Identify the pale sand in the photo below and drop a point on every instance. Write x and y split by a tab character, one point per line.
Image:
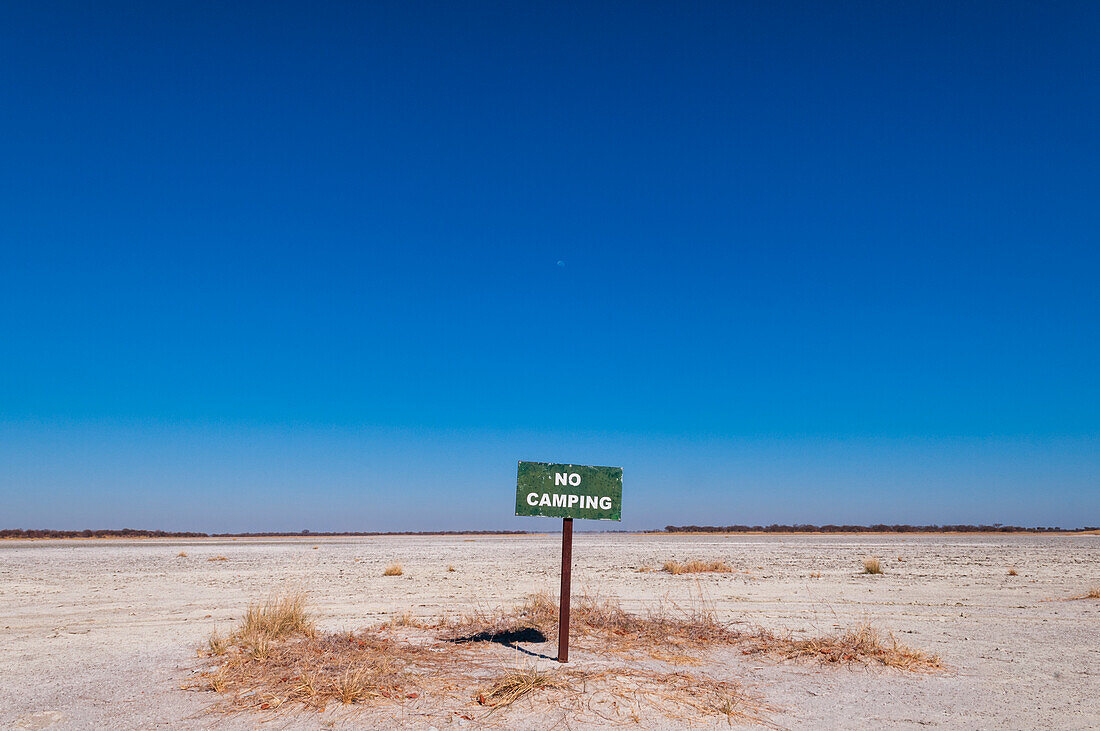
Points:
100	634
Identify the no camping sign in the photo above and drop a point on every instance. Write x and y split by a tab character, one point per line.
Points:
568	491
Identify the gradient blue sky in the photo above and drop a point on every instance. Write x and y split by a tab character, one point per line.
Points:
270	266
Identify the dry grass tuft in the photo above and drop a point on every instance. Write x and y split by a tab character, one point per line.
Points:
181	554
450	568
1012	572
353	686
218	558
218	644
513	685
404	619
695	566
394	569
872	566
276	618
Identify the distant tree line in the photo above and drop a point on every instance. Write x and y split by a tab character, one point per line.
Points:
877	528
119	533
330	534
134	533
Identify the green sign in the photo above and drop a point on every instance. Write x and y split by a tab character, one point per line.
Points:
569	491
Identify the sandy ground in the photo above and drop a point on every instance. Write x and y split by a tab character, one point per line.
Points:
101	634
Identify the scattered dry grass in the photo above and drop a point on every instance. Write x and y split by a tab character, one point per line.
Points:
1093	593
181	554
218	558
872	566
863	645
815	575
394	569
1012	572
276	657
668	632
450	568
695	566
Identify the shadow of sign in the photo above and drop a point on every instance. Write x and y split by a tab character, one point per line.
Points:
511	638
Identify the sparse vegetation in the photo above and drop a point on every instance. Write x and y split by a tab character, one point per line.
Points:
450	568
218	644
275	657
394	569
181	554
1012	572
862	644
1093	593
218	558
696	566
404	619
872	566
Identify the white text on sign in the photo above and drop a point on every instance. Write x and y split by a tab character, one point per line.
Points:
557	500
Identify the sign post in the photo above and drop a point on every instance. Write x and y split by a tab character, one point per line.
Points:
568	491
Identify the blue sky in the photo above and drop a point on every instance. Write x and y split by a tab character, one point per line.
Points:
783	262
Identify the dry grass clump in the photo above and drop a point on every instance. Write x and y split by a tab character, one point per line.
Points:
1012	572
450	568
862	644
695	566
218	558
394	569
276	618
181	554
512	686
872	566
312	671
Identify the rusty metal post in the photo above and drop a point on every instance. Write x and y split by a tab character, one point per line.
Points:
566	571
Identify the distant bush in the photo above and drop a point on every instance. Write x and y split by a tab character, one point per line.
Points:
872	566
